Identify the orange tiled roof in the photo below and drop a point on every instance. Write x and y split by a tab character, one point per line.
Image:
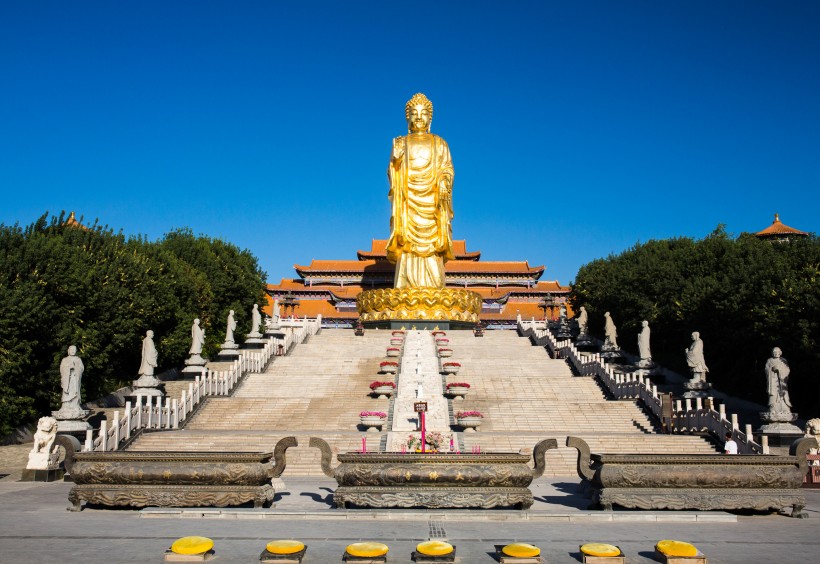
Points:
353	290
72	222
778	228
460	266
378	249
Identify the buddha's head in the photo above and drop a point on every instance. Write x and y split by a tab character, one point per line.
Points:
72	351
776	352
419	113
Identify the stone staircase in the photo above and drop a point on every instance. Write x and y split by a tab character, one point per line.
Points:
525	396
317	390
320	388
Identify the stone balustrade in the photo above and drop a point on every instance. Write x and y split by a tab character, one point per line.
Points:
687	417
152	413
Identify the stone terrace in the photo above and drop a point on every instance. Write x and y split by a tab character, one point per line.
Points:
322	386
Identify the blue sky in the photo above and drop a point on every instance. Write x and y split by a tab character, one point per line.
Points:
577	128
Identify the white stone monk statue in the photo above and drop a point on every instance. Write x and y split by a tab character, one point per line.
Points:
777	383
149	355
644	351
696	361
610	333
256	322
421	180
197	338
71	374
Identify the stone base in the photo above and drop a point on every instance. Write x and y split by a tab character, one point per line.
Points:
152	392
254	343
72	426
68	414
432	497
146	382
294	558
171	556
196	360
193	370
53	475
227	355
781	434
699	558
694	394
419	557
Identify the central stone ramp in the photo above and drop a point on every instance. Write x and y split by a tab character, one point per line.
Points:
318	390
526	396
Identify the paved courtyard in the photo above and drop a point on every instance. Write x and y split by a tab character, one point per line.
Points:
37	528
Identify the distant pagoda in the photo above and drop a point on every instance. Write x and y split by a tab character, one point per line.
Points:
507	288
778	231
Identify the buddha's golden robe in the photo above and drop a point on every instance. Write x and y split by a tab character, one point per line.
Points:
421	179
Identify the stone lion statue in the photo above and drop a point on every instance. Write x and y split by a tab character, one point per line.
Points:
44	437
813	427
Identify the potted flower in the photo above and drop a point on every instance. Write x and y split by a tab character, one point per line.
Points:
396	341
382	389
388	366
438	333
359	330
373	420
470	420
398	334
393	351
443	352
442	342
458	389
450	367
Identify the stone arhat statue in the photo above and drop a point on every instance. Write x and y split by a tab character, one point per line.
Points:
696	363
256	322
71	374
149	355
610	333
643	345
231	327
777	382
197	338
583	321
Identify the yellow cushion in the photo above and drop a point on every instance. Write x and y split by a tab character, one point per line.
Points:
366	549
676	548
521	550
600	549
434	548
284	546
192	545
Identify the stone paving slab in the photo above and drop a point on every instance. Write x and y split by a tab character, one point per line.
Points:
35	527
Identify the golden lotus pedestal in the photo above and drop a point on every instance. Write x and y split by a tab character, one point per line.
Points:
422	308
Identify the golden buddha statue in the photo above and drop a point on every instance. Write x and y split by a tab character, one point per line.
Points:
421	181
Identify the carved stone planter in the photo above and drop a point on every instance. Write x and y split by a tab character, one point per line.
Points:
396	341
450	369
389	369
458	392
704	482
176	479
373	422
470	424
383	392
393	352
444	353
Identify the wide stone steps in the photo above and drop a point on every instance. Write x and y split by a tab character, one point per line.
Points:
320	388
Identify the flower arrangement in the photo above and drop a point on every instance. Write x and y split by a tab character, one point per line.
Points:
442	340
456	364
398	333
438	333
384	363
380	414
463	414
458	385
393	349
443	349
434	439
377	384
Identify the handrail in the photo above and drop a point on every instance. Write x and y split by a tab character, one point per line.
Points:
687	417
149	412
